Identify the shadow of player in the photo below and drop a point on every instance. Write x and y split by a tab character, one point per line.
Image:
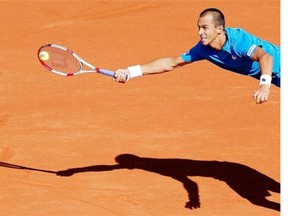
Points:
247	182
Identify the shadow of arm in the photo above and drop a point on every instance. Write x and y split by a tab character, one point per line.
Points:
192	189
96	168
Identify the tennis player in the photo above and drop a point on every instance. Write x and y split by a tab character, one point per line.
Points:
232	49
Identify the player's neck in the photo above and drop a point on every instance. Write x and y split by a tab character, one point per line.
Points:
219	42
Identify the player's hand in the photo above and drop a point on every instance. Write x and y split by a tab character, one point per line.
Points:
261	95
192	204
122	75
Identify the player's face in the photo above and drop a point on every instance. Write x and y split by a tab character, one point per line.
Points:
208	32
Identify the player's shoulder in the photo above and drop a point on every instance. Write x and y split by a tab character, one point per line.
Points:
234	32
237	36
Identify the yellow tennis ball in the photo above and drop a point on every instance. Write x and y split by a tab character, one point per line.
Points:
44	56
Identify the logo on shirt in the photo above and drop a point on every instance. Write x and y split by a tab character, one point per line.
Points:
233	57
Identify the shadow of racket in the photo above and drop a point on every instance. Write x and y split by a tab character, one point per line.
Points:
14	166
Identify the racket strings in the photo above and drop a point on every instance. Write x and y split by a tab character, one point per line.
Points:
61	60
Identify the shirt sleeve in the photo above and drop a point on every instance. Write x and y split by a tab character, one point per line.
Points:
194	54
246	44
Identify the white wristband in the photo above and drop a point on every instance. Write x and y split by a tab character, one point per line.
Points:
265	79
135	71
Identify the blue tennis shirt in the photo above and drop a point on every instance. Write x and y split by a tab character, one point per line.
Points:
236	53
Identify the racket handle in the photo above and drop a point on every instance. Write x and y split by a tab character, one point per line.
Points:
105	72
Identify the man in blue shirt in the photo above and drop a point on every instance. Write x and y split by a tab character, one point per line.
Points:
230	48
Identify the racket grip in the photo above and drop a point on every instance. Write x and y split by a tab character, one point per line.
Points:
106	72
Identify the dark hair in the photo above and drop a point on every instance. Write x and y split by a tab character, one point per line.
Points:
218	16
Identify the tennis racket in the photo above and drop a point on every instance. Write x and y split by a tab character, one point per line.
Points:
62	61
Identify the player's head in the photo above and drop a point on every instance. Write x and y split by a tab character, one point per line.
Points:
217	15
211	24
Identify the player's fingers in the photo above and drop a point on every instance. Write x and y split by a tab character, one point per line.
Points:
123	77
262	99
118	76
255	94
258	100
257	97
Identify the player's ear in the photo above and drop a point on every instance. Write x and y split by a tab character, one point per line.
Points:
220	29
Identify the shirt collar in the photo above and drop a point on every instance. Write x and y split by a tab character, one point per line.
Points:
227	43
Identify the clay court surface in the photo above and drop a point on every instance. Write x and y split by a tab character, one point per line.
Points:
199	114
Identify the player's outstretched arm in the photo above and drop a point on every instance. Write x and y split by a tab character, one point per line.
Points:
160	65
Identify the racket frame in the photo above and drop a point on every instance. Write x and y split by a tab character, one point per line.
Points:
81	61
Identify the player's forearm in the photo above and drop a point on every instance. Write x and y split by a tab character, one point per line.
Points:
266	64
157	66
160	65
